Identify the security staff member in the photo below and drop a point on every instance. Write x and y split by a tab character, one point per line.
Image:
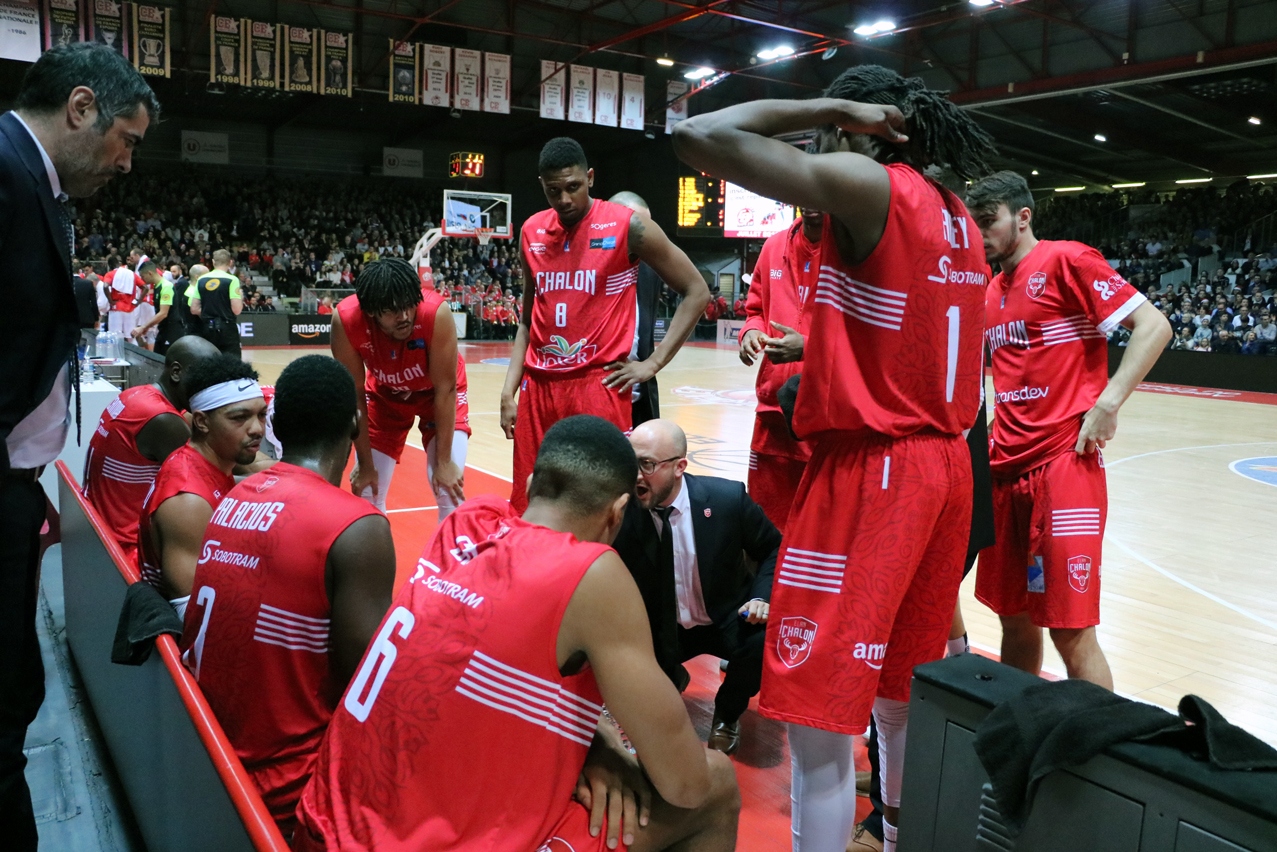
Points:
218	303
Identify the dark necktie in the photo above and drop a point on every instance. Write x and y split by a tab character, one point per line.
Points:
73	364
667	633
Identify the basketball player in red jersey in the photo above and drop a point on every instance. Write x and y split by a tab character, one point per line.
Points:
578	331
126	289
399	343
294	576
869	570
227	423
1049	312
512	651
136	433
776	327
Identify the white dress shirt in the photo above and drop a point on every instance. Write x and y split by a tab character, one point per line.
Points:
687	575
40	436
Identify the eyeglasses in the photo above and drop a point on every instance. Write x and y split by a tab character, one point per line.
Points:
648	466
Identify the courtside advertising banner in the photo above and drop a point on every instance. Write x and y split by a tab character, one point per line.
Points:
265	49
19	30
607	84
468	68
151	41
405	73
300	60
675	103
309	329
436	73
336	63
582	95
402	162
107	25
226	50
201	147
553	83
496	82
632	105
63	23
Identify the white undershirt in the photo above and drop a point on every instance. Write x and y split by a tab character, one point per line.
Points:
687	575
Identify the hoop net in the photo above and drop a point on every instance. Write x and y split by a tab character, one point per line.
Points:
484	235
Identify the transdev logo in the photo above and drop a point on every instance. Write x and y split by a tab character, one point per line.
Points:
1023	394
1261	469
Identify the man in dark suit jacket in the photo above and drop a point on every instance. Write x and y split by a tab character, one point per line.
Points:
685	539
61	140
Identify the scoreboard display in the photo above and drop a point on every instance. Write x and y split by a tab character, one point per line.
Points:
465	164
700	206
709	207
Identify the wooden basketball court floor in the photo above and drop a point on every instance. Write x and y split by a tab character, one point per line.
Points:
1189	600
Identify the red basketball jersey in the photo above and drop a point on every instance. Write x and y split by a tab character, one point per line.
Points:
585	313
124	286
256	631
184	471
116	476
895	343
1047	330
396	369
460	696
456	542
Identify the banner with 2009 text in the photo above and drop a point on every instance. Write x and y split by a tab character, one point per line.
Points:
151	41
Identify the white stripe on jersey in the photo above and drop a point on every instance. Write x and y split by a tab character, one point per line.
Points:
1067	522
1069	329
543	703
291	630
753	460
873	305
133	474
811	569
617	283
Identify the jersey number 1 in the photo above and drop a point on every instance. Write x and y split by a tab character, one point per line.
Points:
951	366
381	656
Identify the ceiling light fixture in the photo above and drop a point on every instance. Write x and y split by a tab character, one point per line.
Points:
775	52
981	3
1127	185
1035	171
1100	137
1195	180
1254	119
1261	177
1069	188
665	61
698	73
876	28
830	53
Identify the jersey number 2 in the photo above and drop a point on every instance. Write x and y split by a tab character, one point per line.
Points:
381	656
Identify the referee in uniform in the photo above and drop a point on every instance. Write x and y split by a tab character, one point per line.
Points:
217	303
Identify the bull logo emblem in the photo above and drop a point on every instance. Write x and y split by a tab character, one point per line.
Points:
1079	572
797	635
1037	285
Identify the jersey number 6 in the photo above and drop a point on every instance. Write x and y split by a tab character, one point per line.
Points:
381	656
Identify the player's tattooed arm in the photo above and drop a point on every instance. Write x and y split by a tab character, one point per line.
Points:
637	231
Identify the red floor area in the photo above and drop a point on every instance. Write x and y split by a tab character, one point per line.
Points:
762	763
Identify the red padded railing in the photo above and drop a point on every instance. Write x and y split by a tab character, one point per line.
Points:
244	796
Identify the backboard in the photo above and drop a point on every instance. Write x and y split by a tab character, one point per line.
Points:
464	210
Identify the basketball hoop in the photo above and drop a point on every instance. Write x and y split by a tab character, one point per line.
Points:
484	235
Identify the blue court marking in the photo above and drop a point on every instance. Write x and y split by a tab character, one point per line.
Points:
496	362
1261	469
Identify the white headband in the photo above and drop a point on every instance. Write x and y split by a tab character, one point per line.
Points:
226	393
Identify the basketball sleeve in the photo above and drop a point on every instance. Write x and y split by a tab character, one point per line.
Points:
755	310
166	294
1103	295
235	291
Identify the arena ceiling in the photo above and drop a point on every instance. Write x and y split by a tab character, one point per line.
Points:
1086	93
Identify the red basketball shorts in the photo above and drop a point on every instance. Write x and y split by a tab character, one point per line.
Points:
1049	526
572	834
867	577
776	465
390	419
545	401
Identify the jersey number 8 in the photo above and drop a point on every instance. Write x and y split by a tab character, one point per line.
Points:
561	314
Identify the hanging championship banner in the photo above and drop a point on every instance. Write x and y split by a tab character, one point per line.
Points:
337	63
63	23
226	50
582	94
436	72
607	85
19	30
107	24
300	58
264	53
553	82
675	111
496	82
151	41
405	73
632	101
467	70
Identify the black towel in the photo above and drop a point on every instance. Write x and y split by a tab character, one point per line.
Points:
787	397
1214	738
145	616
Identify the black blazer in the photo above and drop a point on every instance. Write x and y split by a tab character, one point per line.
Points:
33	246
735	528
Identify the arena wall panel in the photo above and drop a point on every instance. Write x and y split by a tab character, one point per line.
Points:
1255	373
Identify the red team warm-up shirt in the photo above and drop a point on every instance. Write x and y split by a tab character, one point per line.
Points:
116	476
124	290
585	313
895	341
185	471
1047	330
461	676
257	628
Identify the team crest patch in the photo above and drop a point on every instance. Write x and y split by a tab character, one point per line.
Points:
797	635
1037	285
270	482
556	844
1037	579
1079	573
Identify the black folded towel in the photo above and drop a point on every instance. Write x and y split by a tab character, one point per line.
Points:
145	616
787	397
1214	738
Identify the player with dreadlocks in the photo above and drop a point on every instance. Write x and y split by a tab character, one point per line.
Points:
400	344
869	570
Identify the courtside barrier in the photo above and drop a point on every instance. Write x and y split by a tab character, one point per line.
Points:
188	790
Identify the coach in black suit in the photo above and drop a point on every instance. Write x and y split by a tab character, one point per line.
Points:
685	539
79	114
